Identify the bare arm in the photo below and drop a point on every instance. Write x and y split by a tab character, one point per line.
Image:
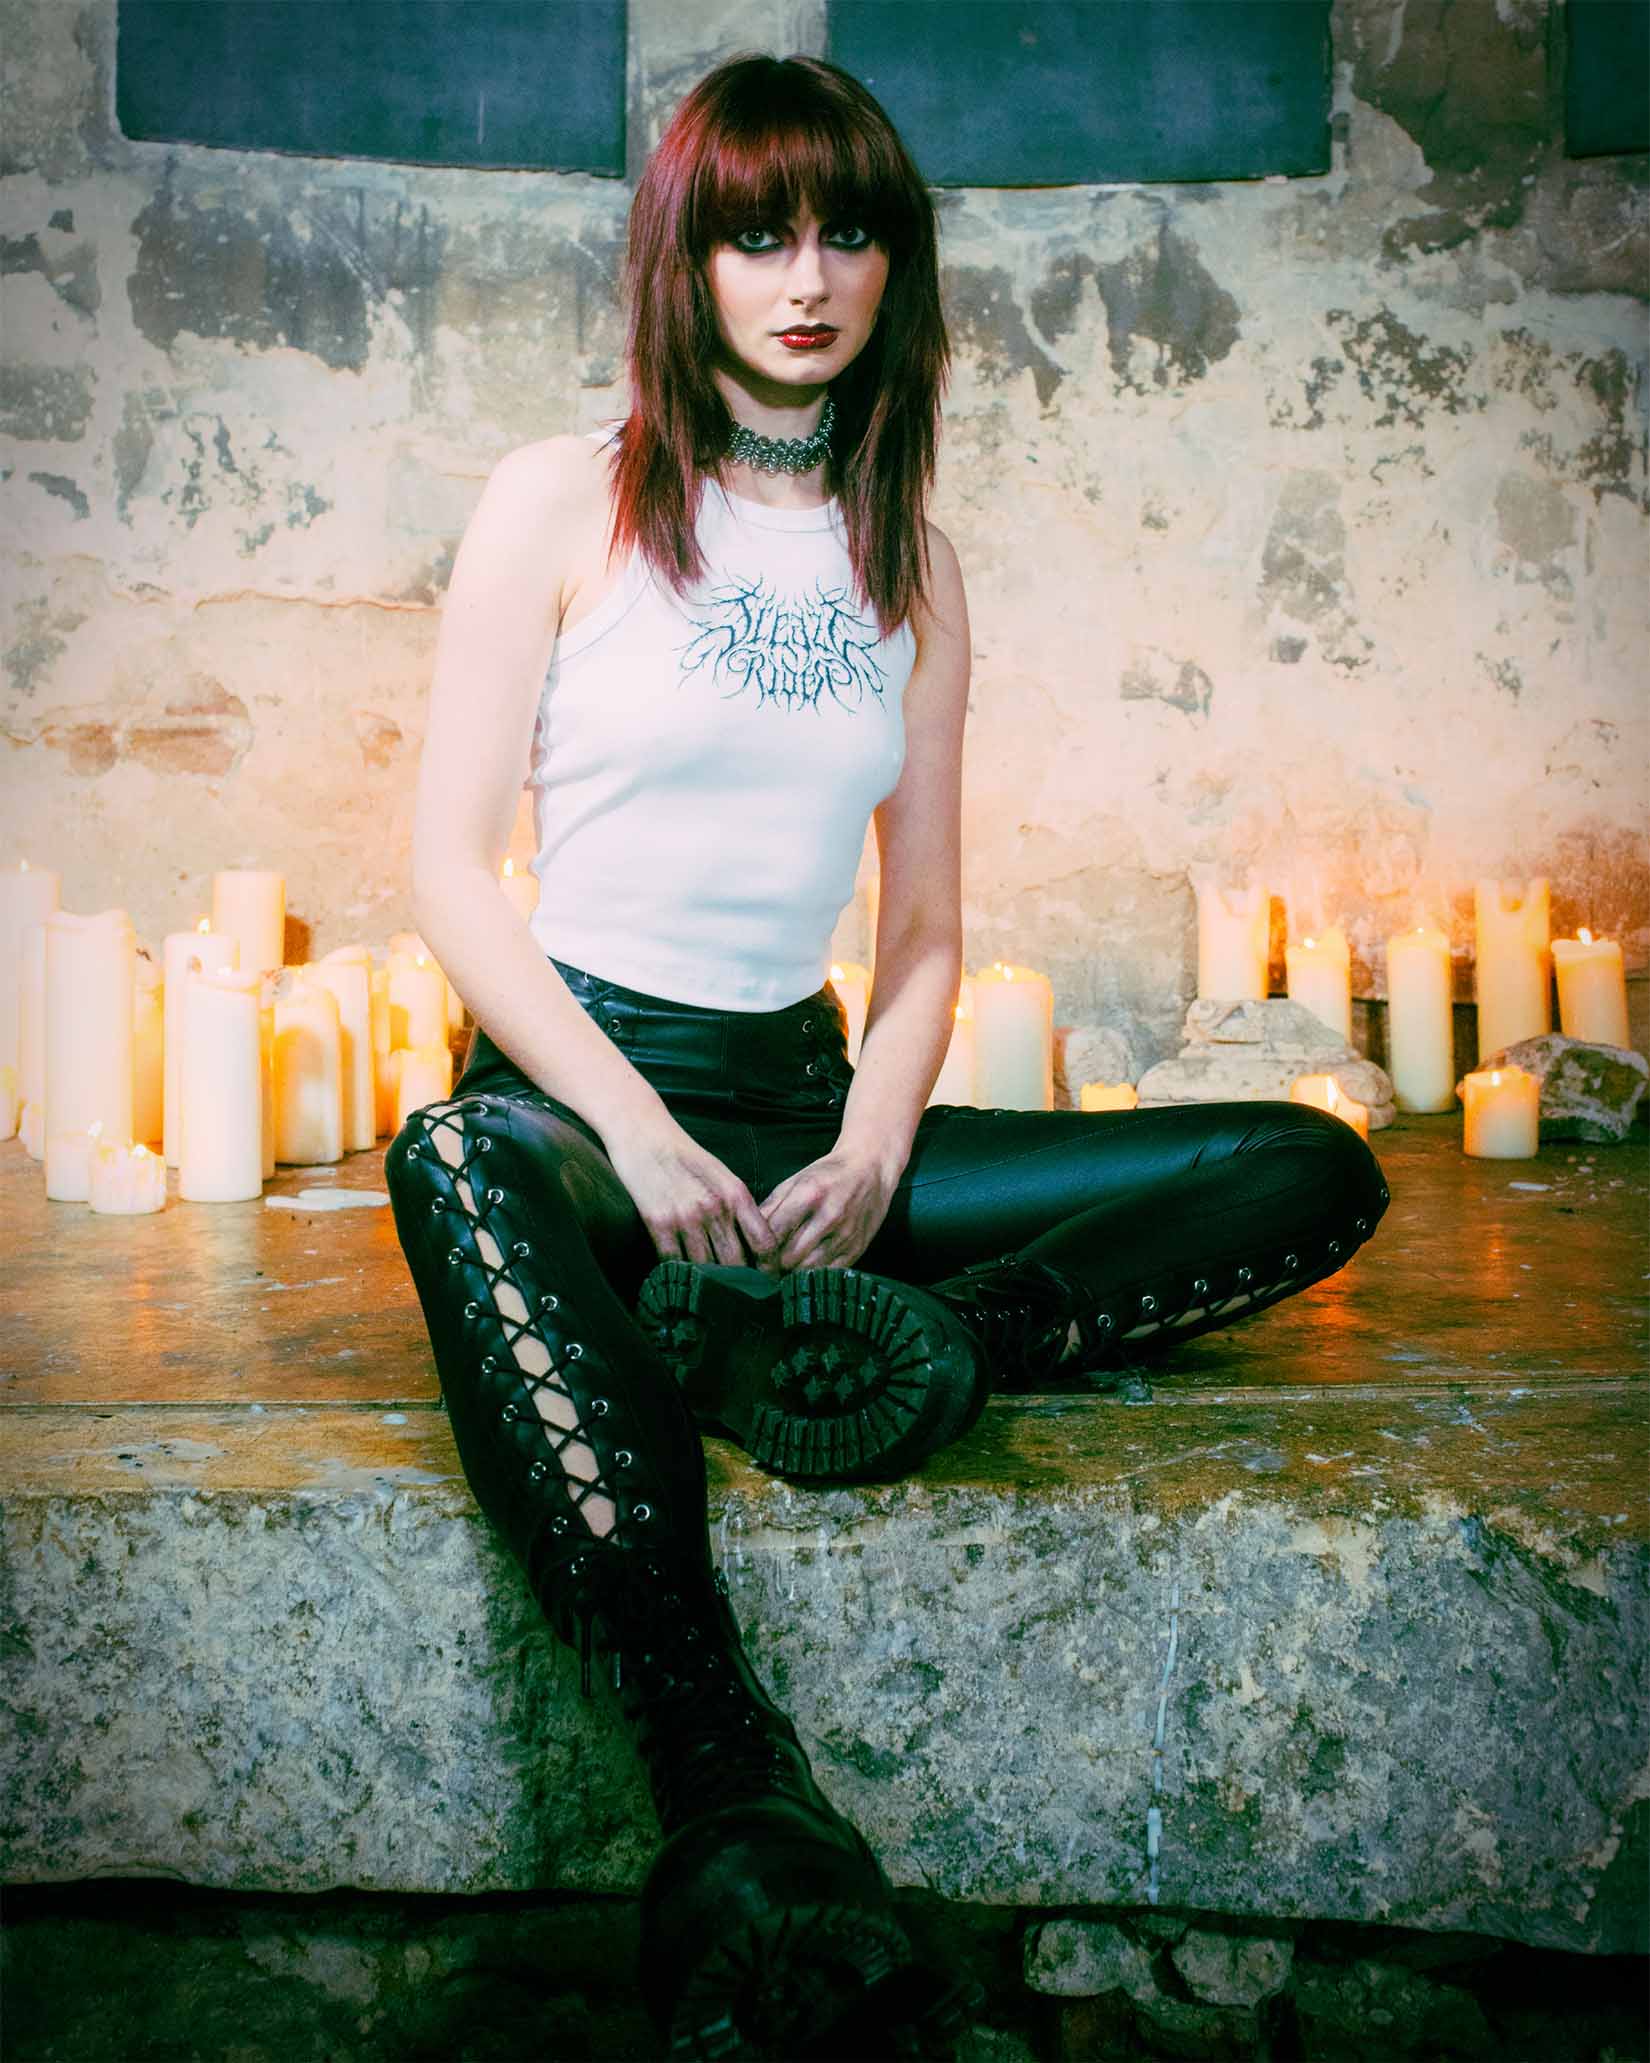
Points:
503	608
828	1213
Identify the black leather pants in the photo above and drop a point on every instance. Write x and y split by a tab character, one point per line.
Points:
1178	1219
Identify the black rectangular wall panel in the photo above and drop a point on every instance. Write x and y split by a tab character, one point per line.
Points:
1045	93
524	83
1607	77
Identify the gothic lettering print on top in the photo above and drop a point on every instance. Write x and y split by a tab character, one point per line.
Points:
793	649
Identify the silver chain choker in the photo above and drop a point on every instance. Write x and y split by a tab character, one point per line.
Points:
785	454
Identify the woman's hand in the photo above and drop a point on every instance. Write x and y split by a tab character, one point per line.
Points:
827	1213
695	1208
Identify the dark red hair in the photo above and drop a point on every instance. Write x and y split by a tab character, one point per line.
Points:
757	140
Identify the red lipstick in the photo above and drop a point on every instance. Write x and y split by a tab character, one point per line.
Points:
812	337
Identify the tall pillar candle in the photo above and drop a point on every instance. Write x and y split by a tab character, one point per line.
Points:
205	952
267	987
31	1063
1420	1024
1013	1039
28	895
383	1088
348	973
422	1074
1233	942
955	1083
408	945
220	1105
88	1046
418	1000
148	1051
309	1089
1592	990
1501	1114
249	906
853	987
1514	964
1320	978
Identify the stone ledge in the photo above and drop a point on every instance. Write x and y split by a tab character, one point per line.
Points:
281	1651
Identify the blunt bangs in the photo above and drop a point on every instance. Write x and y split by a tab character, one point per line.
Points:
769	153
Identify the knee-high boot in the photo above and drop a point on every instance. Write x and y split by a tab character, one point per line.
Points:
768	1928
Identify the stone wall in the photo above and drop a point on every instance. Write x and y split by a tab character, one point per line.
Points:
1303	518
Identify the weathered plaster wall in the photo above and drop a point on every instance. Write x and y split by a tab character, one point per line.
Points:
1304	520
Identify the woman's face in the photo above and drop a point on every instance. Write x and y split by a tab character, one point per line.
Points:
795	300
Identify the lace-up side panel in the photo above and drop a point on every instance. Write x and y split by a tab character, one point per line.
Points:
573	1437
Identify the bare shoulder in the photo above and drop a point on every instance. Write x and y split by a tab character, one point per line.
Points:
944	610
556	476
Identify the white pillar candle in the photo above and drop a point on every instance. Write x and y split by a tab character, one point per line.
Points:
1320	978
853	986
206	952
348	973
383	1086
1233	942
955	1083
1108	1096
249	906
1592	989
148	1051
268	984
409	944
1420	1027
28	895
1514	963
423	1074
220	1104
68	1158
521	891
1501	1114
309	1088
1323	1092
31	1064
127	1181
89	983
10	1104
1013	1039
418	1001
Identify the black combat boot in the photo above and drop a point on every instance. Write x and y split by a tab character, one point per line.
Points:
768	1927
828	1375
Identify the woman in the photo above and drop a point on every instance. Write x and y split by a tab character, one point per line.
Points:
718	641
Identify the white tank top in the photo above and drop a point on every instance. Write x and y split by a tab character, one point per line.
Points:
703	769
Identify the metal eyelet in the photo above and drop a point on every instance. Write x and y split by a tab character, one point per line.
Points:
455	1254
476	1109
1363	1224
509	1414
1386	1196
811	1068
1291	1261
437	1205
623	1457
472	1309
1148	1303
489	1364
414	1150
558	1524
575	1352
1334	1246
1104	1322
1200	1288
549	1301
538	1472
495	1196
521	1249
807	1024
1246	1275
484	1144
641	1513
599	1407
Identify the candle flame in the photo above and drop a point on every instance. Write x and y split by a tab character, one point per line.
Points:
1008	972
957	1011
418	959
509	869
1585	936
93	1130
140	1153
836	972
205	924
23	866
1495	1076
1333	1097
1311	941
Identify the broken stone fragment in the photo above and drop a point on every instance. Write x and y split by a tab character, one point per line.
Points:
1233	1969
1246	1052
1074	1959
1587	1091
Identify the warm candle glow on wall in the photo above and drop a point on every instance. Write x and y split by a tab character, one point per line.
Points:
853	987
1592	989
